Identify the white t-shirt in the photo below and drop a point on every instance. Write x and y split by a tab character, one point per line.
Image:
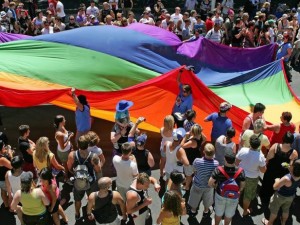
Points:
164	24
61	27
98	151
175	17
60	6
147	21
251	160
92	11
126	170
47	31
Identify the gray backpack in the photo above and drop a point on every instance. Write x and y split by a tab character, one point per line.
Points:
82	178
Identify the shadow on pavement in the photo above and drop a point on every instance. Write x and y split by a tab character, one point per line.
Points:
8	217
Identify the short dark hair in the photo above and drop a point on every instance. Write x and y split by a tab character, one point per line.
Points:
58	18
287	116
254	142
210	14
259	107
46	174
190	114
296	168
126	148
17	162
177	177
187	87
23	129
230	132
288	138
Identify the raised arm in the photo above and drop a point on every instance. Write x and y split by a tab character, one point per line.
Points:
179	77
76	100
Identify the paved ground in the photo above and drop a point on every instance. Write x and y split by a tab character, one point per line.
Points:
40	119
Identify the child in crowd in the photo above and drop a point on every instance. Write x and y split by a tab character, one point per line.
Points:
51	191
190	116
93	142
173	208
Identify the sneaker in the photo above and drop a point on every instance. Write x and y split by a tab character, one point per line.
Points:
206	214
77	217
192	214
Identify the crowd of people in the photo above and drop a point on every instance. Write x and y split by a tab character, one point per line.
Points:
193	168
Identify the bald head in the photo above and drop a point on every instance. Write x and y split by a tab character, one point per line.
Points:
104	183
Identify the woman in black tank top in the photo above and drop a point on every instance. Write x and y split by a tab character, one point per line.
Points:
191	143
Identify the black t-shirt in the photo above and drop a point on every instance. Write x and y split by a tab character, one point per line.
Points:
23	147
71	26
236	41
104	13
220	178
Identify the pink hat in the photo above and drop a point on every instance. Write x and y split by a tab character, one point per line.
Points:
230	12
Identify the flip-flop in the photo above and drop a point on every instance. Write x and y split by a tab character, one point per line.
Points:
264	221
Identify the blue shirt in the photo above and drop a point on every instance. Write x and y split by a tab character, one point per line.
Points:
185	104
220	125
83	119
282	51
204	168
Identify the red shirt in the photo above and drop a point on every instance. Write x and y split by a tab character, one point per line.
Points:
277	137
209	24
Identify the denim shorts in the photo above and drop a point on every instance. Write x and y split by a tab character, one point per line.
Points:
225	206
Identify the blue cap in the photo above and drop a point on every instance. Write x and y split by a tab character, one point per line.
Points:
179	134
141	140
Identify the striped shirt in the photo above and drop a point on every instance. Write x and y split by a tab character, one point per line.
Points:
203	169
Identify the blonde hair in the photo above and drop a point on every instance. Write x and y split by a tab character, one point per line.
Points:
42	148
196	130
209	150
169	122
